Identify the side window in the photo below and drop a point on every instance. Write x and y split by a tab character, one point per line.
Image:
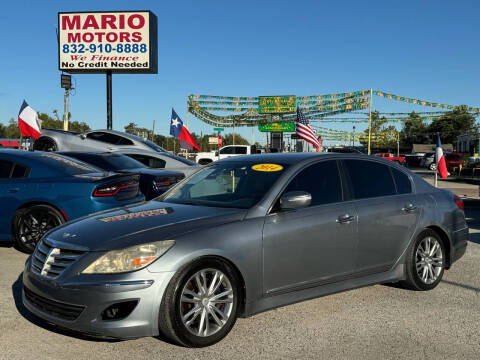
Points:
124	141
19	171
241	150
401	181
228	150
5	168
148	161
369	179
104	137
321	180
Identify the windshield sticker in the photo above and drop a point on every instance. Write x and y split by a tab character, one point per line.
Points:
136	215
267	167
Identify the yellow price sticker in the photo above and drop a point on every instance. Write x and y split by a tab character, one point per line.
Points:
267	167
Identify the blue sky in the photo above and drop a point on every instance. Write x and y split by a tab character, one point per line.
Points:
421	49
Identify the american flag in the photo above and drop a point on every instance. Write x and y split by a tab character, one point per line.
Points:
304	130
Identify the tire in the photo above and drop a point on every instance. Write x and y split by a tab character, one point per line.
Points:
432	166
30	224
174	320
418	276
45	144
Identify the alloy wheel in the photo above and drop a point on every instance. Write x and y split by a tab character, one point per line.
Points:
206	302
33	224
429	260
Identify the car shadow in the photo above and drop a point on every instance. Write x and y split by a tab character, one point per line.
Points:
22	310
464	286
6	244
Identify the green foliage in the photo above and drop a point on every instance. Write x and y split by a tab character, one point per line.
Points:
133	129
452	124
382	136
414	131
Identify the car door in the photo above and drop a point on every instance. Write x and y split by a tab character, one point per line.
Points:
384	222
314	245
12	186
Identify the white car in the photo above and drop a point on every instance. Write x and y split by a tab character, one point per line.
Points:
205	158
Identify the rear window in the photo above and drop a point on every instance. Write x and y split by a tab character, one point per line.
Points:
149	161
66	165
107	161
19	171
369	179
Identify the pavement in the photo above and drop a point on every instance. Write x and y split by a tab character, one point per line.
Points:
377	322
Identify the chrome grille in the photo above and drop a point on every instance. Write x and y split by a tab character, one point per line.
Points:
50	261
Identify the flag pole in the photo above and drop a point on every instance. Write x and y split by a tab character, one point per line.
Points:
21	141
435	182
370	122
186	151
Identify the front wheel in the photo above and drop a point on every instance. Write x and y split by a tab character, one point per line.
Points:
433	166
199	307
30	224
426	262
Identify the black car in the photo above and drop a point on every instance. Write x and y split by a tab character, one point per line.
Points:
152	182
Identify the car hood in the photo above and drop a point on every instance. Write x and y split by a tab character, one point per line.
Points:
139	223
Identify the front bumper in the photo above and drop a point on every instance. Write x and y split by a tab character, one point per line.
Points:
51	299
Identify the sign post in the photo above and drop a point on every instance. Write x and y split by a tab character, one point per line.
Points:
65	83
107	42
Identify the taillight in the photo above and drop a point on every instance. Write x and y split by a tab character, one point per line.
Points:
114	188
166	181
459	202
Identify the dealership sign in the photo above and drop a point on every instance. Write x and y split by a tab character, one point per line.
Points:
277	104
277	127
120	41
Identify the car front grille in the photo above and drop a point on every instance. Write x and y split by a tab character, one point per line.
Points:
55	308
50	261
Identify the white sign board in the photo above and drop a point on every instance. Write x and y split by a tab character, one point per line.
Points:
122	41
213	140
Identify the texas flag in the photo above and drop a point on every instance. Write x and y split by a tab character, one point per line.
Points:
28	122
180	132
440	160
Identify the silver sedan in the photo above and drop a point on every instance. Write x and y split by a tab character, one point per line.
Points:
242	236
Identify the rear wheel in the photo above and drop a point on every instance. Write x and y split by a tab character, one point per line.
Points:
30	224
426	262
199	307
45	144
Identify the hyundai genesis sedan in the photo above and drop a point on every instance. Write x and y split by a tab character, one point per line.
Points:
242	236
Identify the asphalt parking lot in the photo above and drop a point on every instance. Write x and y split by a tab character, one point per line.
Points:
379	322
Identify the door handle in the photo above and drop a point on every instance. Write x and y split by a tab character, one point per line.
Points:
345	219
13	190
409	208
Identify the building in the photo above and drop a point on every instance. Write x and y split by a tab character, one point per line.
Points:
421	149
468	144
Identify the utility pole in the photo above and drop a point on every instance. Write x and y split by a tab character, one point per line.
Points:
153	130
109	99
65	83
370	122
353	141
65	109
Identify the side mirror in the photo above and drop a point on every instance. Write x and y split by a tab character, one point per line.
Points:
83	136
295	200
216	153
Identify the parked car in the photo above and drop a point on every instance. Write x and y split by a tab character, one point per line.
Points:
204	158
241	236
454	160
152	182
345	150
104	140
162	160
413	160
391	157
40	191
428	161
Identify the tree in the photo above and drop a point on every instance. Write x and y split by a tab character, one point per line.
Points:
382	136
133	129
239	140
454	123
414	131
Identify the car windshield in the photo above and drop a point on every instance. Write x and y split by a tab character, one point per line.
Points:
231	184
108	161
154	146
67	165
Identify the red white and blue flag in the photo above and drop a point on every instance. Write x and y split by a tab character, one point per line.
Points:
180	132
304	130
28	121
440	160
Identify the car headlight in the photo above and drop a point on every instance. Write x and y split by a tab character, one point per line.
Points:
129	259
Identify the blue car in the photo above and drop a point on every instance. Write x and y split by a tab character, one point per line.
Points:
153	182
39	191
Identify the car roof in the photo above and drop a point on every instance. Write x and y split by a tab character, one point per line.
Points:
286	158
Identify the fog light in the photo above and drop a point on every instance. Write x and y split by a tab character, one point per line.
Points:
119	311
